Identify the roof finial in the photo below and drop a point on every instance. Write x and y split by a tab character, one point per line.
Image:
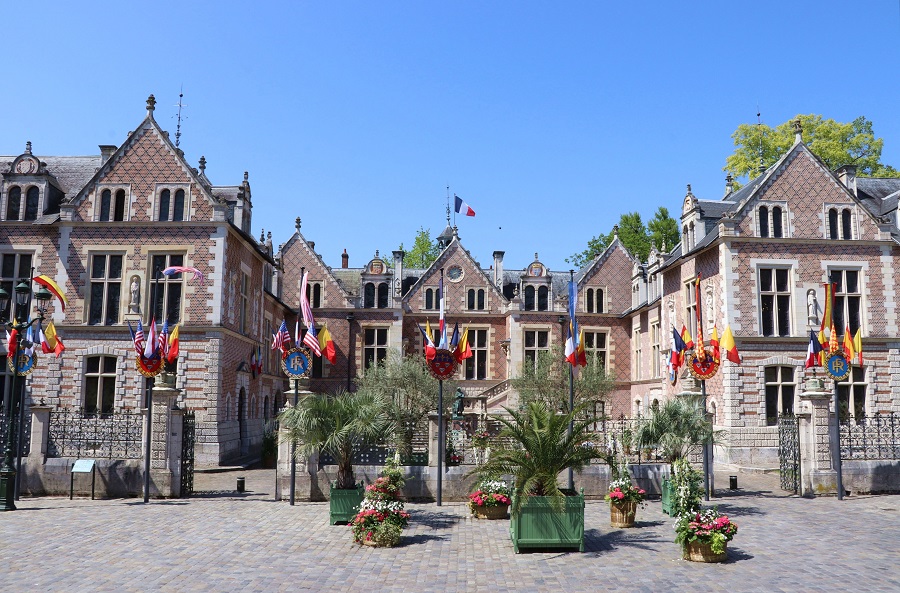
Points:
689	189
729	184
202	164
178	127
376	254
798	130
616	230
297	224
28	147
246	177
536	256
262	235
448	205
151	105
762	167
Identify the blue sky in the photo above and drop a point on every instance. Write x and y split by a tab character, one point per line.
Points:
549	119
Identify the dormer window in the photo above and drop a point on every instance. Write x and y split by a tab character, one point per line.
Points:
32	201
13	203
375	296
541	303
171	205
840	224
771	221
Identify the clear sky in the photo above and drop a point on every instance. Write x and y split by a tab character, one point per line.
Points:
550	119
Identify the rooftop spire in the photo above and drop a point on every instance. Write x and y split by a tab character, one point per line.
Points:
178	127
151	105
798	130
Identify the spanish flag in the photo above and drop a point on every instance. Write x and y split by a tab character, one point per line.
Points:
857	344
714	343
50	342
686	337
48	283
849	353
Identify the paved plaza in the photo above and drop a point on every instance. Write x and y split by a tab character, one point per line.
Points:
222	541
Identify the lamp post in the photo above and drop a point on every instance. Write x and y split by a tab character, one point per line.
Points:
350	318
10	467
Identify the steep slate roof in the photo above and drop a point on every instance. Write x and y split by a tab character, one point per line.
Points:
71	172
878	188
346	283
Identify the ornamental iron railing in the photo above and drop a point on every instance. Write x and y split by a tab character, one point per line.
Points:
25	445
105	436
875	437
789	453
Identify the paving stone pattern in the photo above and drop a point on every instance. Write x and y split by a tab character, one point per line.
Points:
222	541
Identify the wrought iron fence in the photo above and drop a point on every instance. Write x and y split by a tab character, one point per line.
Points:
874	437
25	445
106	436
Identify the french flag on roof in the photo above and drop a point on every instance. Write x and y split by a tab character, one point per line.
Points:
462	207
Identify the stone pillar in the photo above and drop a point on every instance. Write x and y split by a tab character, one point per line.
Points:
432	440
818	473
165	451
40	433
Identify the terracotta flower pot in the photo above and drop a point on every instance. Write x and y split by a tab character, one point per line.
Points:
622	514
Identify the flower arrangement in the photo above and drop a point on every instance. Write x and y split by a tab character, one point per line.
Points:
381	517
706	527
481	440
622	490
688	485
453	456
490	493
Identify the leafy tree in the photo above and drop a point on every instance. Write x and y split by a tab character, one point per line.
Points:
663	230
412	393
836	143
424	250
634	236
547	381
596	246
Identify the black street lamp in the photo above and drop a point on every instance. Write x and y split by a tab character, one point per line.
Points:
10	467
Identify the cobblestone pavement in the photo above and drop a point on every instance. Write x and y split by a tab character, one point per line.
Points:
221	541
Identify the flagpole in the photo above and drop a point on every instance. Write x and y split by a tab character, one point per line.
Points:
836	449
706	447
148	394
571	381
440	457
296	392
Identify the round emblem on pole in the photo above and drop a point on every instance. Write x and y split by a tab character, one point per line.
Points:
149	367
837	366
703	369
443	365
295	363
24	364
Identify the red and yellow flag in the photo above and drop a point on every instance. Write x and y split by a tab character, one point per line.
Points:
714	343
857	344
731	351
849	352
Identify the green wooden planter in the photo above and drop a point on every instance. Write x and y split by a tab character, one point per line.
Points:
343	504
539	525
668	496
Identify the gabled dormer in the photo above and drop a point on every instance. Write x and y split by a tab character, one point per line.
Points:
375	284
30	190
536	287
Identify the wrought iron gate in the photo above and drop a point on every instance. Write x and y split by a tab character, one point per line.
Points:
188	431
789	453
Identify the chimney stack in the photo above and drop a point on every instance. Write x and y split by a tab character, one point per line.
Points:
398	273
345	259
106	151
847	175
498	269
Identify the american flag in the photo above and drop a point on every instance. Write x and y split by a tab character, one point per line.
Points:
172	270
138	338
164	339
282	338
312	340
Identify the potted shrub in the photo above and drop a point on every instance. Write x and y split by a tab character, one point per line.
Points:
490	500
704	535
624	498
673	429
334	424
535	447
381	517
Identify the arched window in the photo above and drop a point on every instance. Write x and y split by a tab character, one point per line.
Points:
475	299
369	296
529	298
846	223
31	203
429	298
105	199
178	210
13	203
383	295
832	224
543	298
776	222
763	221
119	209
316	301
594	300
164	205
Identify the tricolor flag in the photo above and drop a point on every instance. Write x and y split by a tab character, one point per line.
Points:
575	354
463	350
253	372
28	342
150	346
686	337
700	350
454	339
678	346
823	343
429	344
857	344
326	345
50	342
731	351
172	270
11	343
462	207
812	353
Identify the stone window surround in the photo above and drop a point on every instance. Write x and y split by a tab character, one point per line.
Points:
489	339
785	217
172	187
486	299
854	221
113	188
755	264
81	364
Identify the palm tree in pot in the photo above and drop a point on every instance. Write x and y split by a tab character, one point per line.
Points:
535	447
334	424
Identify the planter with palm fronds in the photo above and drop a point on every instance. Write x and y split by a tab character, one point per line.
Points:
334	424
535	447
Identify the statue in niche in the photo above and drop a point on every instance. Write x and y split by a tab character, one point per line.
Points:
710	309
812	307
458	403
135	303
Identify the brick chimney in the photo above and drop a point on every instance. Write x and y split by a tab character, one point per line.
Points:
106	151
498	269
345	259
398	273
847	175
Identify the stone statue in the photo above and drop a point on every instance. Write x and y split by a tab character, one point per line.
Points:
458	403
812	307
135	303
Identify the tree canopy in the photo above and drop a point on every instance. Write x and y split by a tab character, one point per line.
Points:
424	250
836	143
547	381
637	238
